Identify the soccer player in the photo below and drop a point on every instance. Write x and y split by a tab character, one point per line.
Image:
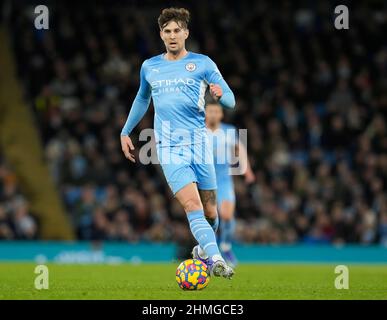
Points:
177	81
224	138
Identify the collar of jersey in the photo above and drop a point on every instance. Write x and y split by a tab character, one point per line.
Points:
185	57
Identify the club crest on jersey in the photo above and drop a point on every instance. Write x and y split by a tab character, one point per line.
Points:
190	66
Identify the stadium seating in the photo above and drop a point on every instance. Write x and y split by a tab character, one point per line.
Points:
313	100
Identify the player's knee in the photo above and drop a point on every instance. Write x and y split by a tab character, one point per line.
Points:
226	216
192	204
226	213
210	211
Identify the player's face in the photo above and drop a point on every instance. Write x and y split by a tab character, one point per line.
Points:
174	36
214	114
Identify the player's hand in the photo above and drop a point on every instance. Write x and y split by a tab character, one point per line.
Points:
127	146
249	176
216	91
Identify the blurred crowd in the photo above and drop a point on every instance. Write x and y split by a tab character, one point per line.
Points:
16	221
313	98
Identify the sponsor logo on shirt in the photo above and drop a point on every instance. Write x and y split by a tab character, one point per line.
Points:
171	85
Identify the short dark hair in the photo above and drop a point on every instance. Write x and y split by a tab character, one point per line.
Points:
180	15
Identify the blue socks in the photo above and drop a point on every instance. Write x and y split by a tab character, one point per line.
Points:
214	223
203	232
227	228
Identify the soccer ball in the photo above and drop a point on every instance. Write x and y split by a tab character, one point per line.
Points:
192	274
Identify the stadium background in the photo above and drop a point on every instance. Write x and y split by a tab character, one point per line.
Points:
313	98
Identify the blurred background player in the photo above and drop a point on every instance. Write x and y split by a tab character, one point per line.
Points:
225	142
177	81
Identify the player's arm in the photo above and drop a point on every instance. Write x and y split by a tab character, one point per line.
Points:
219	88
241	152
139	107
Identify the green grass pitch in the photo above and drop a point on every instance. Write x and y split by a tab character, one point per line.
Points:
157	281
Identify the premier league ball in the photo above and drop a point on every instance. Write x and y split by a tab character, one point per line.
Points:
192	274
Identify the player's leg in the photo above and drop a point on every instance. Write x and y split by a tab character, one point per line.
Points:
189	198
208	198
227	230
226	206
206	183
181	178
206	179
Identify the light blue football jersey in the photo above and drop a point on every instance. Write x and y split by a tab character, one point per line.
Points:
177	89
223	141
